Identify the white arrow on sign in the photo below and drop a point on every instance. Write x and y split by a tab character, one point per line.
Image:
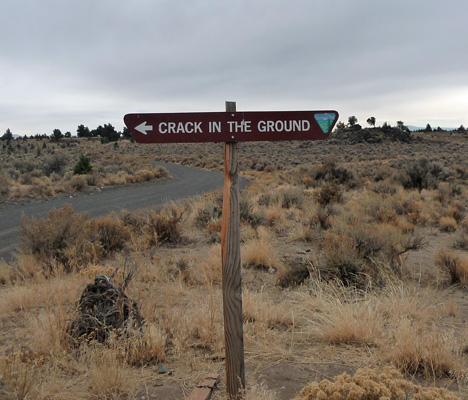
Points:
143	128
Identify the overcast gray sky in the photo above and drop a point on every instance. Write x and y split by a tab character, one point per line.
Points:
70	62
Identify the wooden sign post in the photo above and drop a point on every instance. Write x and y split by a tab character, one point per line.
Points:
231	127
231	260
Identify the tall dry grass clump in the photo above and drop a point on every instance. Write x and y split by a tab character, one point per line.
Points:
18	374
259	253
352	323
424	349
401	324
338	314
108	376
260	308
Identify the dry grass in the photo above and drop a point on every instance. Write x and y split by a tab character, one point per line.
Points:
354	323
259	253
33	295
401	324
344	224
40	168
425	349
18	376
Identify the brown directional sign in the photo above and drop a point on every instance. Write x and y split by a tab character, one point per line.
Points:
231	126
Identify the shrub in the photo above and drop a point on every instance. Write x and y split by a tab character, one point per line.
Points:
356	253
321	217
51	239
247	213
293	197
93	180
286	197
69	239
452	264
421	174
448	224
462	241
340	259
83	166
111	233
332	172
372	384
78	183
4	186
54	164
329	193
295	272
208	213
24	166
144	175
166	226
385	188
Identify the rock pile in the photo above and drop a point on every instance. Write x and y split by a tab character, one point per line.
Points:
355	134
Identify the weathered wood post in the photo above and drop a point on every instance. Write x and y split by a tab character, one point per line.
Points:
231	263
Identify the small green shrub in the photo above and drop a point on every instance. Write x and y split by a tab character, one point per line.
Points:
83	166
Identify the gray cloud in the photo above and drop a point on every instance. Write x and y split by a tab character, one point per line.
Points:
93	61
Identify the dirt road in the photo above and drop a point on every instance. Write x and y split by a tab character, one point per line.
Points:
186	182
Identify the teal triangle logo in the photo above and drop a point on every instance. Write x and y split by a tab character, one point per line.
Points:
325	120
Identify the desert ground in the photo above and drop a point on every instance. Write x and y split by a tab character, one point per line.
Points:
354	272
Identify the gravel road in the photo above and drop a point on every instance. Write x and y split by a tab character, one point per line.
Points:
186	182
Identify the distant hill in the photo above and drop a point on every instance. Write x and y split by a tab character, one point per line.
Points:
420	128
